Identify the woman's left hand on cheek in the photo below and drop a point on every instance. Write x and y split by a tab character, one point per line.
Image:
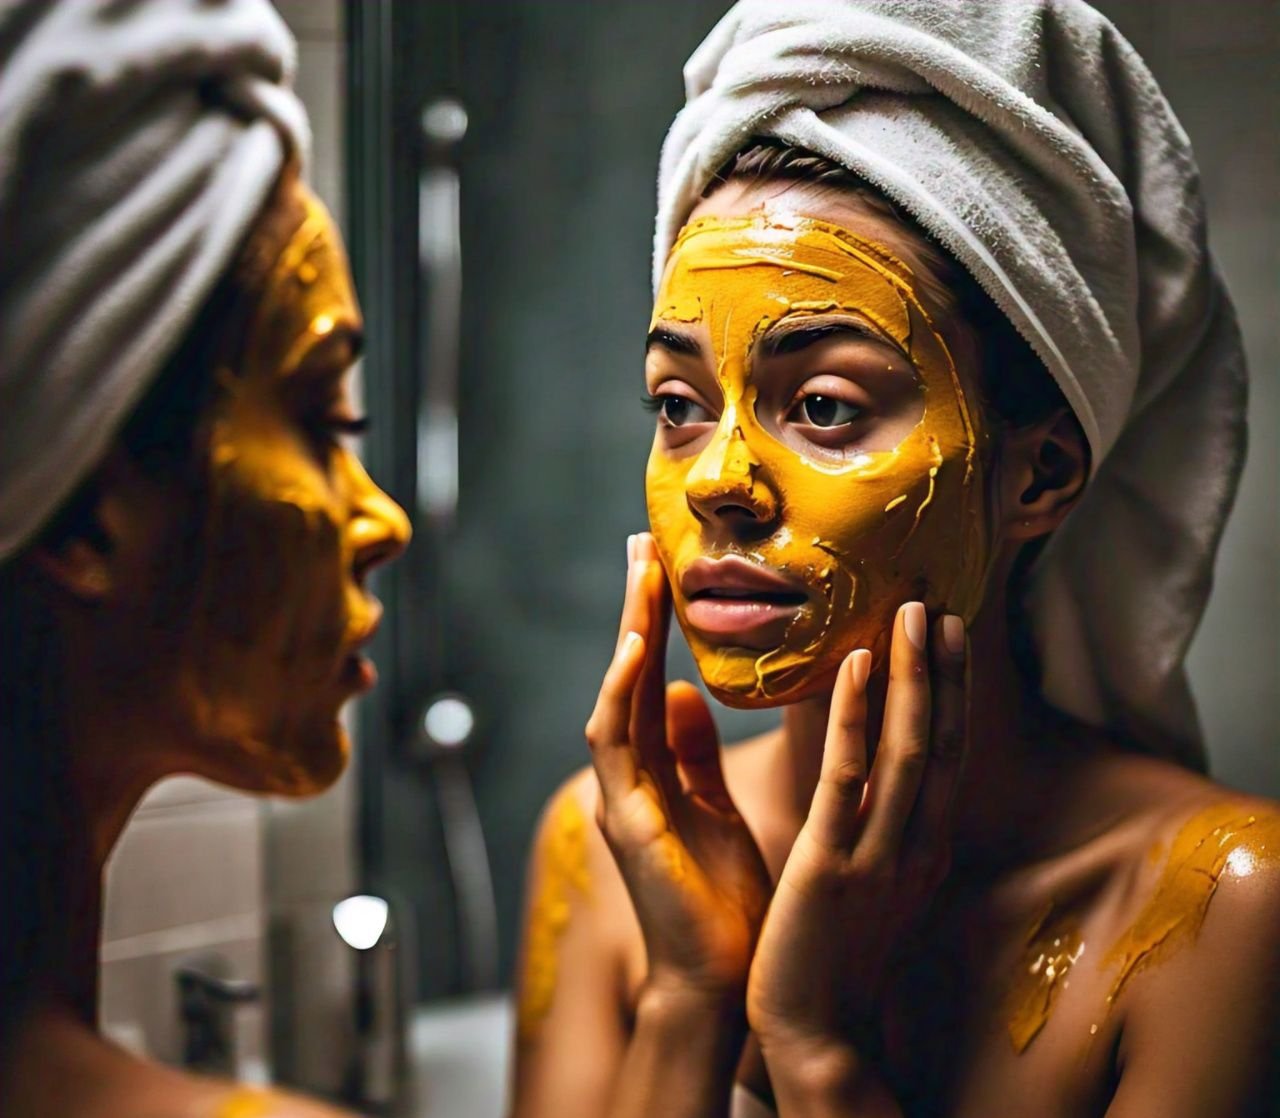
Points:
868	859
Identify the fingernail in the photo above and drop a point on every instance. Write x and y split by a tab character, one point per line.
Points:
953	634
630	641
914	623
631	549
860	667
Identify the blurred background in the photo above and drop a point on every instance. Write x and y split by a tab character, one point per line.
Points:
493	167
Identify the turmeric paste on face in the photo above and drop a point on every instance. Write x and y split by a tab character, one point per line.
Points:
276	607
866	530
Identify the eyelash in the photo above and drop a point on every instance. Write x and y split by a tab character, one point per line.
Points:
328	431
652	404
358	426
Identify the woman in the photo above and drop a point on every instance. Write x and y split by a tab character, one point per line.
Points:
184	537
873	503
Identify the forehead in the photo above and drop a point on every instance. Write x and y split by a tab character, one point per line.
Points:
308	295
845	208
745	273
929	277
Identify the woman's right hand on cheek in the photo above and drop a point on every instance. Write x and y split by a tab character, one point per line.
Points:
689	862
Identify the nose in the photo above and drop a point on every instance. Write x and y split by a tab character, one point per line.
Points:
378	530
727	486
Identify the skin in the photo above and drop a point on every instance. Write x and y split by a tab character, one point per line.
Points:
844	914
233	666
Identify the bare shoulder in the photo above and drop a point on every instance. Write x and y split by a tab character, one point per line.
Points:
1195	971
572	870
1202	865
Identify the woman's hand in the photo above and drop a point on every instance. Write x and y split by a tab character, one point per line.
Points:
690	865
867	860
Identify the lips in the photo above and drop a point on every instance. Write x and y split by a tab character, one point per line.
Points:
358	672
731	601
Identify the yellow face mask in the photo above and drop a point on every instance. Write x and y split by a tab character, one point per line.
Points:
821	464
294	523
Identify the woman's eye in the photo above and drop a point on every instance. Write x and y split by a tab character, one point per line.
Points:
827	411
329	430
678	411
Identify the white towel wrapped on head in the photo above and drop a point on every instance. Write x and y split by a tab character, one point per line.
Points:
138	142
1032	142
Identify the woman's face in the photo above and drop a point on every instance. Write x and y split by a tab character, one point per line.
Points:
278	608
817	461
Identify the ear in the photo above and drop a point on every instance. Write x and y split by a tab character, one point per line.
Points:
79	551
1043	470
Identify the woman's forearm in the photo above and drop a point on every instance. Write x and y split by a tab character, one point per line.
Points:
682	1057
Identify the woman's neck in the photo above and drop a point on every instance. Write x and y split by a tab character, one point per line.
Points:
109	768
1002	766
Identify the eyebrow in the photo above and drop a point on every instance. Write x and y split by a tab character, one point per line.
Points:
792	339
673	341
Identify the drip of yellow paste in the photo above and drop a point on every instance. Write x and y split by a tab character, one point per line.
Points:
1052	949
562	873
1220	839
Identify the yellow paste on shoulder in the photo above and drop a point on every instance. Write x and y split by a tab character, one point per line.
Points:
562	872
1225	837
1052	949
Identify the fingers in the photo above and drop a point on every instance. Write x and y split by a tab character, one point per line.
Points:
656	593
691	730
903	750
834	814
929	830
648	713
627	731
635	605
608	728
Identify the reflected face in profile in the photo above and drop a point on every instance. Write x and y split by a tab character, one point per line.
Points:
816	461
294	524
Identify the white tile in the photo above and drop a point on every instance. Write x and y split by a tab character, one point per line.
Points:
185	865
178	791
310	851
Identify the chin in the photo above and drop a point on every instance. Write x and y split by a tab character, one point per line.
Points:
303	763
733	678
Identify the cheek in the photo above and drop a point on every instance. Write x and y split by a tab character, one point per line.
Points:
669	515
268	617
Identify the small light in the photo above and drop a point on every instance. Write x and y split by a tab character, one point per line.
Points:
448	721
322	325
444	121
361	920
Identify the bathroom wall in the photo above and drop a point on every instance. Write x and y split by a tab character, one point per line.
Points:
204	873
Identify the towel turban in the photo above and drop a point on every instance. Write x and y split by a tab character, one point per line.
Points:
138	142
